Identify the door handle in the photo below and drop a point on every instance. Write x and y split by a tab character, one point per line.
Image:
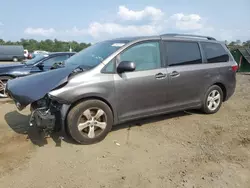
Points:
160	76
174	74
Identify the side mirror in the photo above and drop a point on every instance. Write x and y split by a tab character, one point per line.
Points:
126	66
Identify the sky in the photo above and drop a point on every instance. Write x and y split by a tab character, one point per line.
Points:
97	20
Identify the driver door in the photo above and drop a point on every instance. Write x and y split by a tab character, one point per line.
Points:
143	91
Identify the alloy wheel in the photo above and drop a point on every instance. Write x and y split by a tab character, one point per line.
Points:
213	100
2	88
92	122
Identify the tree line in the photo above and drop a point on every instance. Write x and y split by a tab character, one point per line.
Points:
47	45
62	46
238	44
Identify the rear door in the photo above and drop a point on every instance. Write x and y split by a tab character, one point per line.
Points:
186	72
219	63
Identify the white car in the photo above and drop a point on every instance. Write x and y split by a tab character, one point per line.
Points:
40	52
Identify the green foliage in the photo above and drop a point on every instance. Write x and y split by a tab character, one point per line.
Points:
237	44
47	45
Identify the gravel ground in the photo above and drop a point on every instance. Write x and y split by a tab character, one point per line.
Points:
185	149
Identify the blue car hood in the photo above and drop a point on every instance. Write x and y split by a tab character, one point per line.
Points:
26	90
11	65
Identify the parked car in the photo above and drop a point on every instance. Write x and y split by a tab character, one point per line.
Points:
124	79
11	52
40	52
38	64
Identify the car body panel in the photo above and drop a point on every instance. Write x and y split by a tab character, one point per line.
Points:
17	88
130	89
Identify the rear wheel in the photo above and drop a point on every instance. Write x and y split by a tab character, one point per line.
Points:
3	81
212	100
90	121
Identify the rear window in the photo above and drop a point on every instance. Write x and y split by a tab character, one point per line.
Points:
183	53
214	52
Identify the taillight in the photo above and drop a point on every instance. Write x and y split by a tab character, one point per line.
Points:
234	68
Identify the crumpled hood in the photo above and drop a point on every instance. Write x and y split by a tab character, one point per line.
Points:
26	90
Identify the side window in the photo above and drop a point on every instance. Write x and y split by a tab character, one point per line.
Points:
51	61
214	52
145	55
109	68
182	53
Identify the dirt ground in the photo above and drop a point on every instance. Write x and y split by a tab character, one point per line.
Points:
185	149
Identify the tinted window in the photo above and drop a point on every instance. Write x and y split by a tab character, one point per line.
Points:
146	56
51	61
183	53
214	52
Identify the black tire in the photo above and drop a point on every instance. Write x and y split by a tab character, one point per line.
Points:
4	79
205	107
76	112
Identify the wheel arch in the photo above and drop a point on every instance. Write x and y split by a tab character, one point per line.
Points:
91	98
223	88
67	108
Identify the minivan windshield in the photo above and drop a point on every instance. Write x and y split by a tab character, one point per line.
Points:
95	54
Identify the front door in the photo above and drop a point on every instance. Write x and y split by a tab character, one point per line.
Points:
143	91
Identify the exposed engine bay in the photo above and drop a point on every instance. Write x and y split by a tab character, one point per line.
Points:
44	115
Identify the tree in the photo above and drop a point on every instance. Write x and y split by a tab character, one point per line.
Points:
47	45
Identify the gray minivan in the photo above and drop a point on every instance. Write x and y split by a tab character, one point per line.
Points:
123	79
11	52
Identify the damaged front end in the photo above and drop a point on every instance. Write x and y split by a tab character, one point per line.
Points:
45	114
34	91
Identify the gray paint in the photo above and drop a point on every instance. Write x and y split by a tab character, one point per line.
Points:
8	52
133	95
139	94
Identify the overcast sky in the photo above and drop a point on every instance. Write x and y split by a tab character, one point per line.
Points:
90	21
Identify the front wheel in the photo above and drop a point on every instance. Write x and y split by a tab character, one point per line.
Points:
212	100
89	121
3	81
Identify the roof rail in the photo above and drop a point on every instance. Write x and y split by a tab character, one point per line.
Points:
187	35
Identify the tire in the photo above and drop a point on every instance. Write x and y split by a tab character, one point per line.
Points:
3	80
77	117
15	59
212	96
